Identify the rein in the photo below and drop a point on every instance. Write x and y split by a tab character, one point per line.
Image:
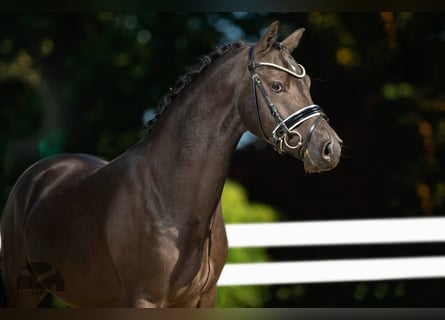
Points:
286	128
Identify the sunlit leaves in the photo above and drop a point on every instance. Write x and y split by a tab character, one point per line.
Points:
346	57
323	20
424	193
389	27
394	91
237	208
47	46
20	68
121	60
378	291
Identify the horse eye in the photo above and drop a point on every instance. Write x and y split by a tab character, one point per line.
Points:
277	87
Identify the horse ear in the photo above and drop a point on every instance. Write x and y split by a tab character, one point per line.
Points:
268	39
292	41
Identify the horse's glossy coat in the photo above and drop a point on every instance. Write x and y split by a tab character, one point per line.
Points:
146	229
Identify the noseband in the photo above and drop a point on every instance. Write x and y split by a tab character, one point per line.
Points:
286	128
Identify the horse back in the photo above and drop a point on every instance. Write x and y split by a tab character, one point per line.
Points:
47	176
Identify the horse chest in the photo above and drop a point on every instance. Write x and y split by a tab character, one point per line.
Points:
191	276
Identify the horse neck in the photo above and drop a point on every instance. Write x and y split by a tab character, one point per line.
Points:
187	155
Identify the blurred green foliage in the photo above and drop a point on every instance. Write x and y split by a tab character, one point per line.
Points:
238	209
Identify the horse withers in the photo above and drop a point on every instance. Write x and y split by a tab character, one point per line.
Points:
146	229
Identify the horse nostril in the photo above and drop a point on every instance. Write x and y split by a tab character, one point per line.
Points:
327	151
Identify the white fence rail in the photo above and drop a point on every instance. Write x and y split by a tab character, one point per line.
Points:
347	232
329	233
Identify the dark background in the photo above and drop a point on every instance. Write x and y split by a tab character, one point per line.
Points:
83	83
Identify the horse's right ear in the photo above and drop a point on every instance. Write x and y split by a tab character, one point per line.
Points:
268	39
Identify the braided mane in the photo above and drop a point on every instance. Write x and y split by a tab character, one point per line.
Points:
186	79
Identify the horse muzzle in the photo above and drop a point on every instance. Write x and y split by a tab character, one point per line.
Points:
323	154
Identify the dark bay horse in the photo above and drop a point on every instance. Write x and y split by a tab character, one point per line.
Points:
146	229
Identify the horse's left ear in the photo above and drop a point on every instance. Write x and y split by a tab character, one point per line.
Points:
292	41
268	39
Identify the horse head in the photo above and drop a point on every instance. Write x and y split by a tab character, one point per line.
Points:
282	111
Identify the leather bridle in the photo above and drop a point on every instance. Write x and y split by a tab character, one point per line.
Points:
286	128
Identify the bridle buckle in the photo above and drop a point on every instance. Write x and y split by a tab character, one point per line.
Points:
286	128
